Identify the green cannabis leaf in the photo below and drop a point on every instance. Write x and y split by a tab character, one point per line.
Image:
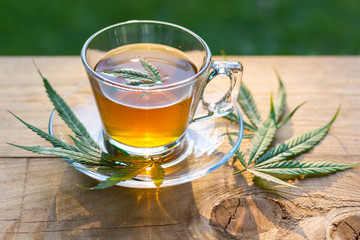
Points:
263	136
249	107
270	163
122	174
297	168
137	78
85	150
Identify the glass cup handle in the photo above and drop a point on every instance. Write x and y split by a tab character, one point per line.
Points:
225	105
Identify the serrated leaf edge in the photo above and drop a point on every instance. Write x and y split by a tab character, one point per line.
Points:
281	98
296	168
270	178
296	145
248	105
67	115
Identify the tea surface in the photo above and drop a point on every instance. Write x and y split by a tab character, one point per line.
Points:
139	118
171	63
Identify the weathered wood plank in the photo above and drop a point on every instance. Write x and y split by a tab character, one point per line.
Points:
22	92
39	197
44	201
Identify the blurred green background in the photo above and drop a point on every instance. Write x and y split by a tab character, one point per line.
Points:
239	27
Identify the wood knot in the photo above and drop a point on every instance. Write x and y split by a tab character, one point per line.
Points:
346	228
245	217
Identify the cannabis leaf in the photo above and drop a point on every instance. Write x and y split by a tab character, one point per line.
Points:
67	115
85	150
297	168
263	136
46	136
157	174
270	178
233	118
249	107
137	78
281	98
269	162
122	174
296	145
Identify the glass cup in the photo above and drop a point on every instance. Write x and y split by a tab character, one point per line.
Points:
152	120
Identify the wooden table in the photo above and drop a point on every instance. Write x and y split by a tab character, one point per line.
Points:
39	197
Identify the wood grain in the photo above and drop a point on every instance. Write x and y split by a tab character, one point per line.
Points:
39	198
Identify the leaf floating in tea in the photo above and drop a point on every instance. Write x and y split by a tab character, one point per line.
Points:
151	69
138	78
140	117
131	74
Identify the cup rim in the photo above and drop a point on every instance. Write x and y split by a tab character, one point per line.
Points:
147	88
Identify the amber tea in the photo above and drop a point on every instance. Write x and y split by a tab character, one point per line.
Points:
145	119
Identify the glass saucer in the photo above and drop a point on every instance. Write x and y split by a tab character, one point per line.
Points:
207	145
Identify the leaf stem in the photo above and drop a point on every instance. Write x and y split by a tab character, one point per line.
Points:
243	170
